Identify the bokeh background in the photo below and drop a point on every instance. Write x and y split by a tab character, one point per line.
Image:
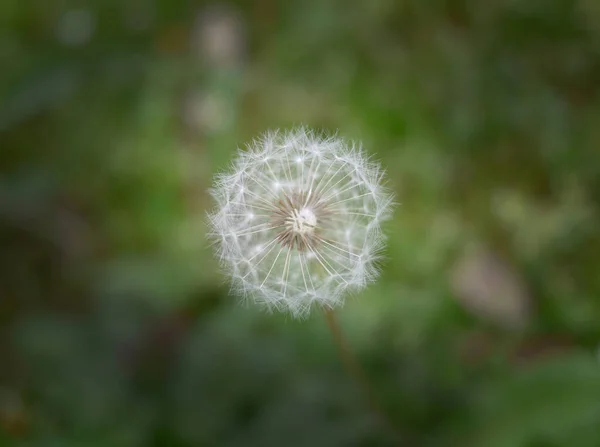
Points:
116	328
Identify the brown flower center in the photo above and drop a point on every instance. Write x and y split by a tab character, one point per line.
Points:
297	217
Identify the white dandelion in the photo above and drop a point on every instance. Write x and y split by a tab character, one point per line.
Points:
298	220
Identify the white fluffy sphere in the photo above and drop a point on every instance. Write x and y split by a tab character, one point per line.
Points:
298	219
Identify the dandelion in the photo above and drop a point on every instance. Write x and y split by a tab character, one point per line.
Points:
298	220
298	223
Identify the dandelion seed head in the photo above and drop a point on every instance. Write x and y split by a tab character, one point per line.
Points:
298	220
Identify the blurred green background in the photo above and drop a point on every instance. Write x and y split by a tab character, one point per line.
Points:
116	328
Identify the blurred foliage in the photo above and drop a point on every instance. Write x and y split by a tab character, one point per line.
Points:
115	329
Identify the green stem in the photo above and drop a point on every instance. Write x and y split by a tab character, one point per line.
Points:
355	370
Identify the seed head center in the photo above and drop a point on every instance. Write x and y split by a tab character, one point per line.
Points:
302	222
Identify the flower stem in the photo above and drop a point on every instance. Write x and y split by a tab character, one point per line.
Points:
355	370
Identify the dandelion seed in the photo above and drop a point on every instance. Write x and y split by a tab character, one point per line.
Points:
297	220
